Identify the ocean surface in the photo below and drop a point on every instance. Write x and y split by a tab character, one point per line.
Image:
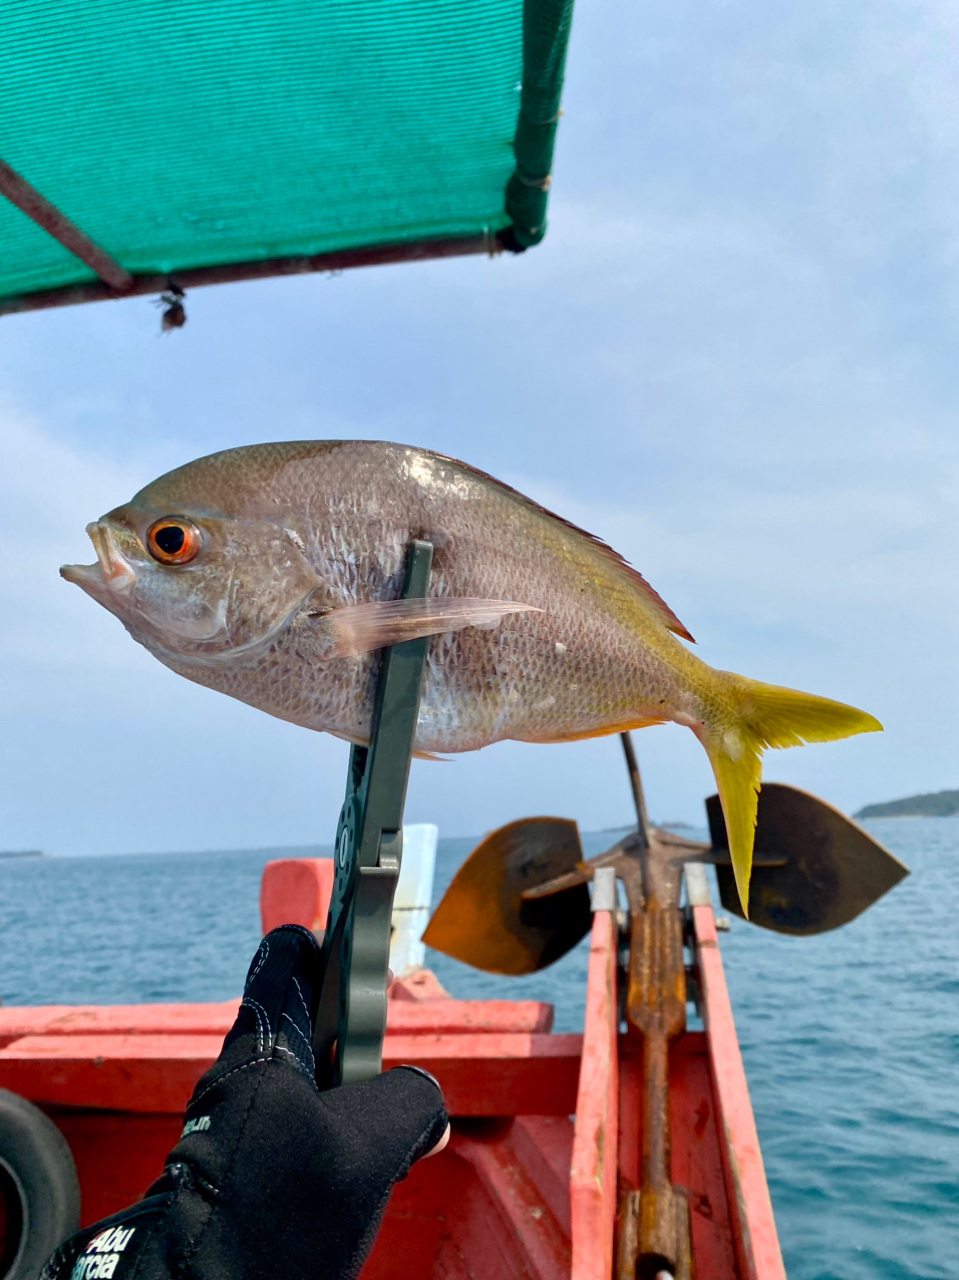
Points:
851	1039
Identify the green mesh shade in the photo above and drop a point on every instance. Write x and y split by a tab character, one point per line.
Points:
183	134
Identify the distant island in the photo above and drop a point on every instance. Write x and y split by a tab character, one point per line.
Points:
938	804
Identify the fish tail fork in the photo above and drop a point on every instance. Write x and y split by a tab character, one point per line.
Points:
749	717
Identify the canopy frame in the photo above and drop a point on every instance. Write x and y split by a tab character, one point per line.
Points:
545	29
47	216
262	269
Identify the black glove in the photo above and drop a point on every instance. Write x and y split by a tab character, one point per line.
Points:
270	1177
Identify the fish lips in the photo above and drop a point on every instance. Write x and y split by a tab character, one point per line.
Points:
131	592
112	572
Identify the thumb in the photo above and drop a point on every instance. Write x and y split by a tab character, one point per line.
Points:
392	1120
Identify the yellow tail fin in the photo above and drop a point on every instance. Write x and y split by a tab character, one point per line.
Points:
748	717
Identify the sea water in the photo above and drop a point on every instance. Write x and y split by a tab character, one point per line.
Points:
850	1040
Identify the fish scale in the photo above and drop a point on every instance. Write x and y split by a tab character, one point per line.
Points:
540	632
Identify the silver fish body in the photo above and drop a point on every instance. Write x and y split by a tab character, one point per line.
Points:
272	572
292	531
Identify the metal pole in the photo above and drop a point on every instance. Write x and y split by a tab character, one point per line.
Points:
56	224
642	818
228	273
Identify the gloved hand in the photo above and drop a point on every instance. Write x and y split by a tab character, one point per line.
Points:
270	1177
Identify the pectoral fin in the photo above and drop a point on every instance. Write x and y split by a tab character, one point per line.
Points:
361	628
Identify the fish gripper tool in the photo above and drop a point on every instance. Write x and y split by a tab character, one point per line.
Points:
351	993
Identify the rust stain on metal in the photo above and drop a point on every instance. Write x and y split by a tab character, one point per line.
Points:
486	919
654	1222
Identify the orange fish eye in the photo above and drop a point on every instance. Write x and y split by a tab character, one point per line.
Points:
173	540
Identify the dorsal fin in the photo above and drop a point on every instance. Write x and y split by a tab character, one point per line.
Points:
670	619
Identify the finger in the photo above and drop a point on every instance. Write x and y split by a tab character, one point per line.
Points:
440	1146
275	1012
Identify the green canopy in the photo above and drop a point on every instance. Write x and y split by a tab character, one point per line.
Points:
193	141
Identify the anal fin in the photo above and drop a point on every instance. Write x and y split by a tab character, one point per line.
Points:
580	735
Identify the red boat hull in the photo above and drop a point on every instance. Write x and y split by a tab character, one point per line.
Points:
546	1127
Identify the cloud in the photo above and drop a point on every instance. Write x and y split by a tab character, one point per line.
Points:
49	491
733	357
846	589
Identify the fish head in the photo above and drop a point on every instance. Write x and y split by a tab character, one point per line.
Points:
190	582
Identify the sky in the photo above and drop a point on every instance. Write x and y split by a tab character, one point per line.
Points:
733	357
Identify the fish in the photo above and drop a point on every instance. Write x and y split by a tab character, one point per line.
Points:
272	573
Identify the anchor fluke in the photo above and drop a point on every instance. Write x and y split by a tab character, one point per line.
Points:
483	919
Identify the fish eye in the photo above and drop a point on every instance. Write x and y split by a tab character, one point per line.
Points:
173	540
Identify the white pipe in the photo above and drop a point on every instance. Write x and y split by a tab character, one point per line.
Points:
414	893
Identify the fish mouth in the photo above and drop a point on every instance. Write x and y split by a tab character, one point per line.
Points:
112	569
